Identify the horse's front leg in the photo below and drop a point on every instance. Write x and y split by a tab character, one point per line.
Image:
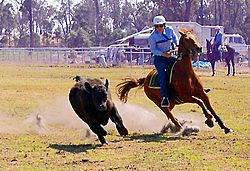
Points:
209	117
206	102
213	66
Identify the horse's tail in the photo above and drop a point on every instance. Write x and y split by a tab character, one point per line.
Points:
123	88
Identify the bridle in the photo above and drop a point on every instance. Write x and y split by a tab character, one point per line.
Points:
188	52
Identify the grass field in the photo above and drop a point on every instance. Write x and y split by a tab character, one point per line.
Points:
59	141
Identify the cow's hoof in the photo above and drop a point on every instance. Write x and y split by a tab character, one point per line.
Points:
105	143
102	140
228	130
122	131
209	123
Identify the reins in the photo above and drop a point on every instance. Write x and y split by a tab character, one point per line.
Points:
187	52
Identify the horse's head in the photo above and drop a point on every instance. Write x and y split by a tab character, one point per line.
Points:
188	43
209	46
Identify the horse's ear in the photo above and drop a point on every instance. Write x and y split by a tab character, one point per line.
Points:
189	31
181	32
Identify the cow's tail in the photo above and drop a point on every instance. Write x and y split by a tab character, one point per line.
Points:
123	88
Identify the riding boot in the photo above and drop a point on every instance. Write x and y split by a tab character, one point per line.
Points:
165	102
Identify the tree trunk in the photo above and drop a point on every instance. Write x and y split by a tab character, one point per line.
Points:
187	10
31	23
97	39
220	11
215	12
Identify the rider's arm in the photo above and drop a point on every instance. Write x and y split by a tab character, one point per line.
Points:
175	39
153	48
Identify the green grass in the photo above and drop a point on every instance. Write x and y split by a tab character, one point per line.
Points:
25	87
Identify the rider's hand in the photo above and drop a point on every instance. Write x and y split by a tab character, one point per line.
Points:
166	54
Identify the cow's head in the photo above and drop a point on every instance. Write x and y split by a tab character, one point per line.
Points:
99	95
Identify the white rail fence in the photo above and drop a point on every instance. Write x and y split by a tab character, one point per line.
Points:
104	56
93	55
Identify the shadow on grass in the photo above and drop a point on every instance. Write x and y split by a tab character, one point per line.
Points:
73	148
155	137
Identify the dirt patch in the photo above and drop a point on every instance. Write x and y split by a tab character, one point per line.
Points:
11	125
60	113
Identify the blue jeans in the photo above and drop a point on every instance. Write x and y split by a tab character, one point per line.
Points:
162	65
219	52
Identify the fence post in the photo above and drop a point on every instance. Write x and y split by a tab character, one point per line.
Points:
131	56
248	56
143	57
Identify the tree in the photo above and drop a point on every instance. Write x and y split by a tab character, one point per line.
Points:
64	17
79	39
27	8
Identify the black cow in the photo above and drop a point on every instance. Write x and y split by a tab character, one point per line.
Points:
92	102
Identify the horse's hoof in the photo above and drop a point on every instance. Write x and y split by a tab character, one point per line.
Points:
209	123
227	130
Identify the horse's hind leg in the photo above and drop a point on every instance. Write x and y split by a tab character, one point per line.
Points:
228	68
154	95
157	100
209	117
171	117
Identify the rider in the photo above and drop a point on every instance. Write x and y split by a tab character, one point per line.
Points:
161	41
218	43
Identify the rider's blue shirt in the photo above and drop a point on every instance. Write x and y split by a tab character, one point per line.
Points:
161	42
218	38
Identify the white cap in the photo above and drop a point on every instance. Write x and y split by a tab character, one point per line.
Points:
159	20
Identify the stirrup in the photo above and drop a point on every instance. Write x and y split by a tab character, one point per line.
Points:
165	102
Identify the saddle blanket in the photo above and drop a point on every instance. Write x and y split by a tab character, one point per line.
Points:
155	80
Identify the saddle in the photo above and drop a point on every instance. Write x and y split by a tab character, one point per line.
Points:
155	80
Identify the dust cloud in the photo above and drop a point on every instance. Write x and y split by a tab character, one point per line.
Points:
60	113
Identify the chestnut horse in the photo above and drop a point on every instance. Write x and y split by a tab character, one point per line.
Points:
186	86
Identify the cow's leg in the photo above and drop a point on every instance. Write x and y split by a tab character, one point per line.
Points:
209	117
99	131
116	118
206	102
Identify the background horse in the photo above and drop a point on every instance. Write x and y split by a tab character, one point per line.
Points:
186	86
229	57
212	55
227	54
